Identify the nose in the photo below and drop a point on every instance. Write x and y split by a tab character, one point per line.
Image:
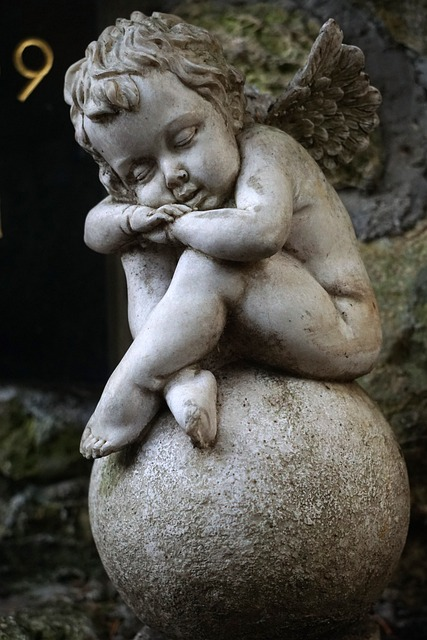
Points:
175	178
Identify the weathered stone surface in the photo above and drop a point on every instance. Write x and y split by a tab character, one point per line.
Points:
40	432
52	585
398	200
399	384
267	41
47	624
398	269
406	21
291	525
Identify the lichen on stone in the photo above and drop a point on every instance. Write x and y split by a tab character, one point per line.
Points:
406	21
40	435
269	44
264	40
47	624
398	269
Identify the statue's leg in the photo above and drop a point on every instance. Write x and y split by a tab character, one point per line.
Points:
287	319
182	329
191	396
188	321
122	413
148	272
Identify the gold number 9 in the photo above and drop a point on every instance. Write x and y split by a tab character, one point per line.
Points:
34	75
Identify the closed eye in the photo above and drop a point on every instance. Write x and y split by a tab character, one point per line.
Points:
185	136
142	172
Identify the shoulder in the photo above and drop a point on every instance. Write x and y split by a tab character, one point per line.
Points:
266	150
261	136
261	145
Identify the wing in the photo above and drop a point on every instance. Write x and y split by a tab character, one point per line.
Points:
329	106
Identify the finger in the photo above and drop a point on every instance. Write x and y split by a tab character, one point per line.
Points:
183	208
166	209
165	217
174	209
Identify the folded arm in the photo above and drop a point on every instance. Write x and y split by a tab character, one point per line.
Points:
113	226
106	228
259	225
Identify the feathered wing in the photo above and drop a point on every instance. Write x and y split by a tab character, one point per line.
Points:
329	106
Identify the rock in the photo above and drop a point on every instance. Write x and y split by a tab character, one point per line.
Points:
397	201
398	270
40	433
407	22
47	624
266	41
9	630
290	526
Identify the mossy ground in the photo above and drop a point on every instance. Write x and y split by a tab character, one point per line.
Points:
52	584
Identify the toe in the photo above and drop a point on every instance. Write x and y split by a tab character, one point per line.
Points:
200	429
96	447
85	446
107	448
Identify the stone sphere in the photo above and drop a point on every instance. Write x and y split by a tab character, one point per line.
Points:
290	527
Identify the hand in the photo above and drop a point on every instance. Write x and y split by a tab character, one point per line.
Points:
172	211
143	219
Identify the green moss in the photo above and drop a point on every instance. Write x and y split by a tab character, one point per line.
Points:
398	383
115	466
110	476
265	41
37	447
10	630
50	623
269	44
397	268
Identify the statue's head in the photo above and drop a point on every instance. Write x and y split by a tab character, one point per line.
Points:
102	84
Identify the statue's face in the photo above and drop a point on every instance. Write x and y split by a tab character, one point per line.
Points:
175	148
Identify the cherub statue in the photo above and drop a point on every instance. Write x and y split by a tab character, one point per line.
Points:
220	220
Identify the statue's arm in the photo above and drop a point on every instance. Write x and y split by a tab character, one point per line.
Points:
106	227
259	225
113	226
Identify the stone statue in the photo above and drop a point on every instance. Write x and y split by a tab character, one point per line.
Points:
285	511
221	221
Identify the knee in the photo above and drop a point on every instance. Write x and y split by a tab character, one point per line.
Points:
226	279
369	343
359	356
148	376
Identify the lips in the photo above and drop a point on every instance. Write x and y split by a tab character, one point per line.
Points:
184	195
196	198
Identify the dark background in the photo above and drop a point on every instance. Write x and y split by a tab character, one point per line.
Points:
52	288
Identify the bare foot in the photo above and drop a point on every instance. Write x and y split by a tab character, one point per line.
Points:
95	445
199	426
191	397
120	418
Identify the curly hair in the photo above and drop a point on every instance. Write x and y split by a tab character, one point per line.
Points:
101	84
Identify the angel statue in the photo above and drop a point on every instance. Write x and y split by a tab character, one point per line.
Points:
223	218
